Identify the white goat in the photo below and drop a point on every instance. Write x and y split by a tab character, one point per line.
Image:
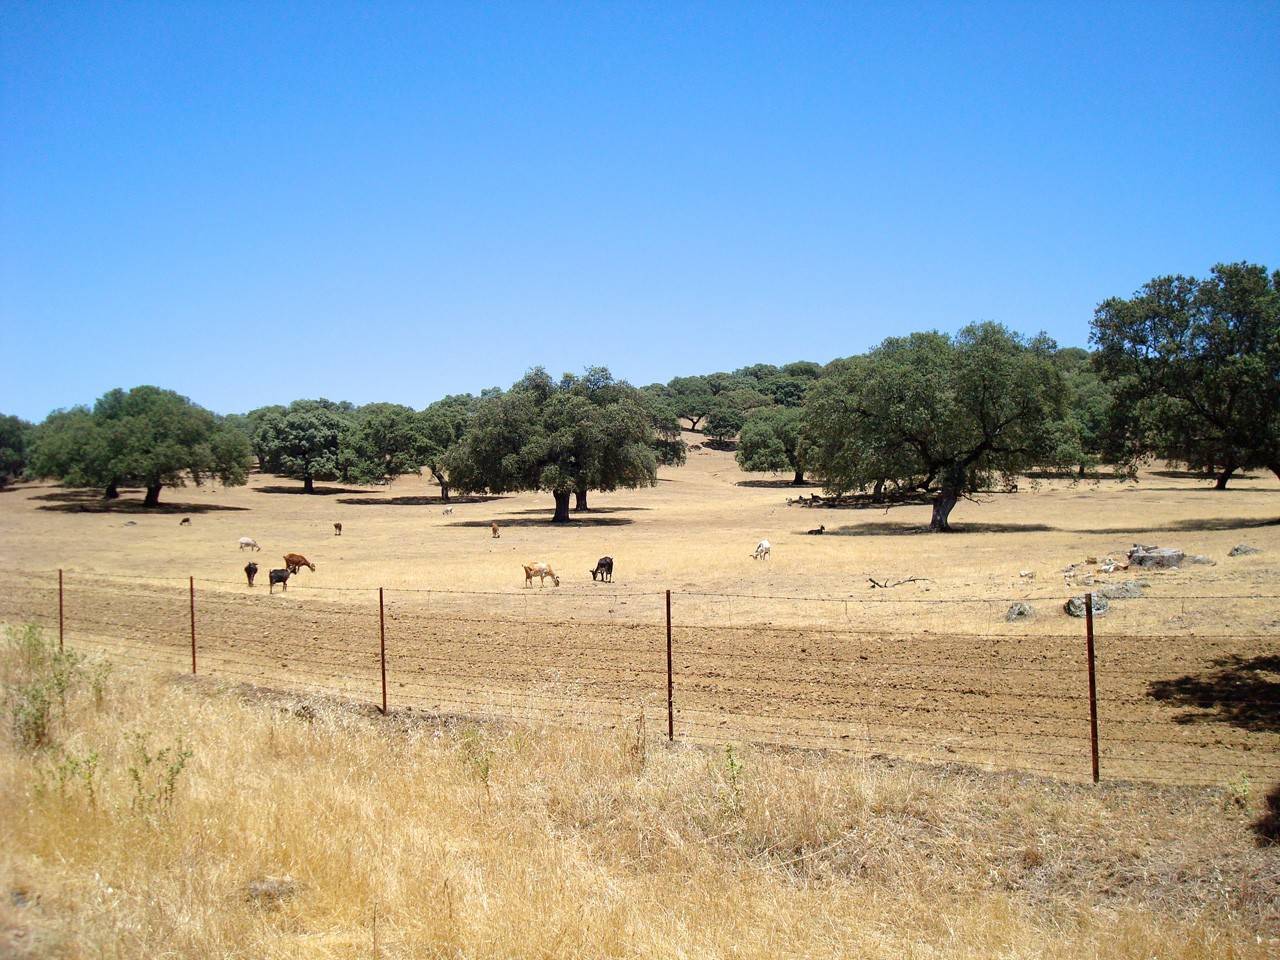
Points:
249	542
762	551
447	511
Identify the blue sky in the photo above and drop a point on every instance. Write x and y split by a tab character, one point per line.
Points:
250	203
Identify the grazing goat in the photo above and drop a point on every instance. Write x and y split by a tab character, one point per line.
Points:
447	511
296	561
281	577
251	571
337	529
494	528
604	567
541	571
822	528
762	550
249	542
184	522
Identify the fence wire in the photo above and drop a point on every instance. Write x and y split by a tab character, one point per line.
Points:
1181	698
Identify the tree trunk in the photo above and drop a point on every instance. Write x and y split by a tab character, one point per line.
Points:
942	507
877	492
693	422
580	500
111	493
444	485
798	479
153	496
308	485
1080	471
562	506
1228	469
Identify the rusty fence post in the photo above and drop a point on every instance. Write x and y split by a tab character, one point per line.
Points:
59	608
1093	683
671	712
191	583
382	649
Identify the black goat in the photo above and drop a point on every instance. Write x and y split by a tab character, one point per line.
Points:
822	528
251	571
281	577
604	567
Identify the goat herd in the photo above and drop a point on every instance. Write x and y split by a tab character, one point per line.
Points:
293	562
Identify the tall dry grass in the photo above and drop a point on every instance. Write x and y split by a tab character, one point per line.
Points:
139	825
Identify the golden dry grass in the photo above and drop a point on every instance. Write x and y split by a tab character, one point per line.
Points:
425	839
693	531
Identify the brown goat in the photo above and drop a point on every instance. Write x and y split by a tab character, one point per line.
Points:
295	561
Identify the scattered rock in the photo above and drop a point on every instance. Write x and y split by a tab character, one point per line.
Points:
131	523
1242	549
1020	611
271	891
1156	558
1124	590
1201	559
1027	574
1075	606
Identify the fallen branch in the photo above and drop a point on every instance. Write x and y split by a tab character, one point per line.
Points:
886	585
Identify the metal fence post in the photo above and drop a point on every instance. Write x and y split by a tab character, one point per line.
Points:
191	583
59	608
1093	684
671	713
382	648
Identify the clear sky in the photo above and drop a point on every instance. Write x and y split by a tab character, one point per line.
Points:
254	202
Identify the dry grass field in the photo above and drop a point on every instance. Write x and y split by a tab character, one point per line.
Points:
480	819
928	670
167	818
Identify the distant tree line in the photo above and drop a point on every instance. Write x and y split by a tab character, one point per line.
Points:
1185	370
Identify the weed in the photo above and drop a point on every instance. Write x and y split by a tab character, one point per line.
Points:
37	680
1237	793
154	776
69	769
478	755
733	780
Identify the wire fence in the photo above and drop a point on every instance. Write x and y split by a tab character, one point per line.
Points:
1177	700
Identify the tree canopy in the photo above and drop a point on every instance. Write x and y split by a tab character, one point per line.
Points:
1195	368
772	440
582	433
930	408
443	424
690	398
309	440
13	448
146	436
1085	435
384	441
